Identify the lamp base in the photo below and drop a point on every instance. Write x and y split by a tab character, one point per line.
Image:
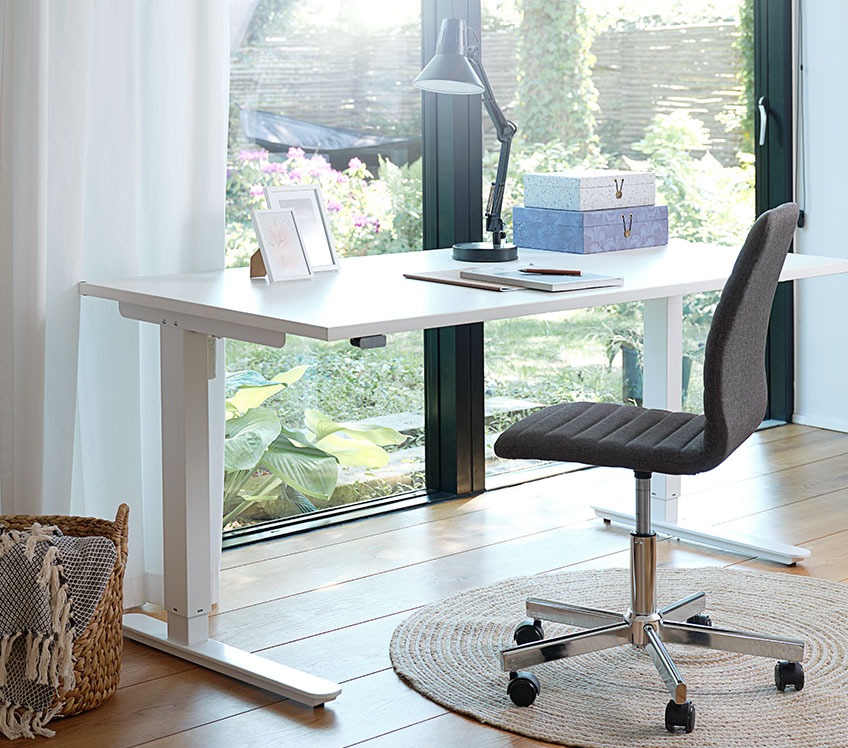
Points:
484	252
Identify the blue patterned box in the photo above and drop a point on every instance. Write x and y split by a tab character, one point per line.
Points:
590	231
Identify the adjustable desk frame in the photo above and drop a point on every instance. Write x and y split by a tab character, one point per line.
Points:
193	311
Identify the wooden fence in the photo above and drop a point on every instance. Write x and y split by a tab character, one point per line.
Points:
638	72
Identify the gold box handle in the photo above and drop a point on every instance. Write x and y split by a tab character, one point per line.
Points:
619	188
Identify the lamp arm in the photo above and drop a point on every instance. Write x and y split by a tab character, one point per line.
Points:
505	131
503	127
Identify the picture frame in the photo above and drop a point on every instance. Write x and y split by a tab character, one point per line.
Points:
280	245
312	220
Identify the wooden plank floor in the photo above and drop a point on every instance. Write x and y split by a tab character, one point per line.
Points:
328	601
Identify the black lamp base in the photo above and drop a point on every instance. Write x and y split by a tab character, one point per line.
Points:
484	252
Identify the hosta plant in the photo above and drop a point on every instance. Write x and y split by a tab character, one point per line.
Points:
266	462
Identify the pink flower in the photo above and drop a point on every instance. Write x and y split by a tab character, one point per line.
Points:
360	221
334	206
318	166
258	155
296	152
273	167
355	164
257	190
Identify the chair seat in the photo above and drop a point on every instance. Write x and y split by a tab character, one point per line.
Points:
612	435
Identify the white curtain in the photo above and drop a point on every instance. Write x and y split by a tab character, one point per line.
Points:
113	127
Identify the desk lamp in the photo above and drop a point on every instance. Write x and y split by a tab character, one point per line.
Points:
456	69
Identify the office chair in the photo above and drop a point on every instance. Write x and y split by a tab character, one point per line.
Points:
648	441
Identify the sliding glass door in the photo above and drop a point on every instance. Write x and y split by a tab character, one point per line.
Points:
321	95
660	86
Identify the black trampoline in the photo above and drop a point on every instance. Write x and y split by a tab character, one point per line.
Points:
277	133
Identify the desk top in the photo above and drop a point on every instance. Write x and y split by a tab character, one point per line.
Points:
370	296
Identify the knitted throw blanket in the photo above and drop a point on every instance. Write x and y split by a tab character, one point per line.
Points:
50	585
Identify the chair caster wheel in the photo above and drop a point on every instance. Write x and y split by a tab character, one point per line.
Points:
523	688
700	619
788	673
529	630
680	715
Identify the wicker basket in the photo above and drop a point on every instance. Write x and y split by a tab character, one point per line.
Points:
97	651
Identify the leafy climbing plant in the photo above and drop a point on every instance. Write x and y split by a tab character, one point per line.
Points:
266	462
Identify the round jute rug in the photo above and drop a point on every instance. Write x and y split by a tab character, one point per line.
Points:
614	698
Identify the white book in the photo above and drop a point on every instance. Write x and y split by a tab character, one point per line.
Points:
540	281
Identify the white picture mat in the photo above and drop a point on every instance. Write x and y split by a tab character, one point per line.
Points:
280	244
312	221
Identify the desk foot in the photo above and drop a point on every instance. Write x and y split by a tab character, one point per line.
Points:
747	545
236	663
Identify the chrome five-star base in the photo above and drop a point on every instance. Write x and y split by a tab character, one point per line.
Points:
644	626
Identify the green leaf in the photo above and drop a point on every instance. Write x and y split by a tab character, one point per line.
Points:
322	426
310	470
292	375
249	389
246	438
245	378
249	398
234	481
353	451
299	501
293	497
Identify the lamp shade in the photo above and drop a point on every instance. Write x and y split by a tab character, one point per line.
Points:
450	71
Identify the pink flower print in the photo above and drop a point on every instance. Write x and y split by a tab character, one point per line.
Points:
279	235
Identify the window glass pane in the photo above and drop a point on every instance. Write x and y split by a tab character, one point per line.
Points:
664	85
321	94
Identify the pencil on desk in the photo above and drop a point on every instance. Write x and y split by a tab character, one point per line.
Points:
549	271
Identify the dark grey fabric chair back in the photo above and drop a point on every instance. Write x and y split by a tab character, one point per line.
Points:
735	389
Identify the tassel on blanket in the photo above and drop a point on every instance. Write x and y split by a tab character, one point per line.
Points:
33	648
7	540
65	669
5	650
48	568
17	722
37	534
44	657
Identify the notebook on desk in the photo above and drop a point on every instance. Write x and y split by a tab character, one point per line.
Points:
452	278
542	282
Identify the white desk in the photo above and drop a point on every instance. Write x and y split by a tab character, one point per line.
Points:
368	296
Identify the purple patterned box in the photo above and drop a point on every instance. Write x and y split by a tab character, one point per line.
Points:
590	231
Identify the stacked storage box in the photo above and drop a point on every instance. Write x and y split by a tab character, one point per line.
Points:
590	211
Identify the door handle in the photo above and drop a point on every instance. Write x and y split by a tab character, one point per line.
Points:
762	104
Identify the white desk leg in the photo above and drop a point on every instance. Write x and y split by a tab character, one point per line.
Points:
187	522
662	388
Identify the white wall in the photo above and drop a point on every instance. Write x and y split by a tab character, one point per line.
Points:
821	368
